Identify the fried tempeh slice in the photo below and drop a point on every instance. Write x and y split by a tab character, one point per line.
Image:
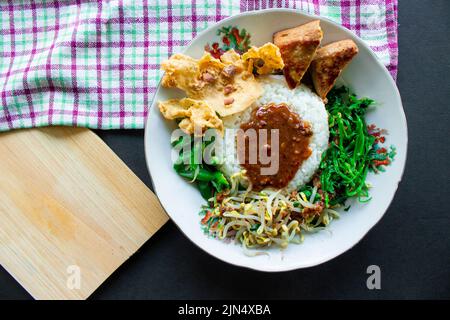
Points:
298	47
328	64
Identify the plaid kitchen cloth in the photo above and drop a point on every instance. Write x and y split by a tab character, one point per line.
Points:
96	64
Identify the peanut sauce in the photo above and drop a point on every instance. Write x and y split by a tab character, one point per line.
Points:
294	138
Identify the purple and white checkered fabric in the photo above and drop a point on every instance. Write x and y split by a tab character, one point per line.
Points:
96	63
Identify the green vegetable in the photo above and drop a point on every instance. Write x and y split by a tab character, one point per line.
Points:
205	189
190	166
353	151
345	164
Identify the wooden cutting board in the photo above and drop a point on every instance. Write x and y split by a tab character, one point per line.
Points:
71	212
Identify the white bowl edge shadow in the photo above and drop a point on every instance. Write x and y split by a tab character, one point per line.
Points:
316	248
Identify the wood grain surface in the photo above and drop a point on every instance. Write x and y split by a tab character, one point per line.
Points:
71	212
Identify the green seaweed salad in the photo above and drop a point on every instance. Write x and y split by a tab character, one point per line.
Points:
354	151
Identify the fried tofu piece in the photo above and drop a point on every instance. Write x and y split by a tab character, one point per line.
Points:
196	115
298	47
328	64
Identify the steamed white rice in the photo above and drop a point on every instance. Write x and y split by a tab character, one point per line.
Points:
300	100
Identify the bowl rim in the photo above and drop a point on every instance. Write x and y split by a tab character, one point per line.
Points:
392	83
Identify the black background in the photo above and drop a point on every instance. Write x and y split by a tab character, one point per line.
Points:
411	244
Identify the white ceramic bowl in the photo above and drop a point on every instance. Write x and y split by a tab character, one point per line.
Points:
365	75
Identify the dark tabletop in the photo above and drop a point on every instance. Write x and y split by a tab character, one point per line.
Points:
411	244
